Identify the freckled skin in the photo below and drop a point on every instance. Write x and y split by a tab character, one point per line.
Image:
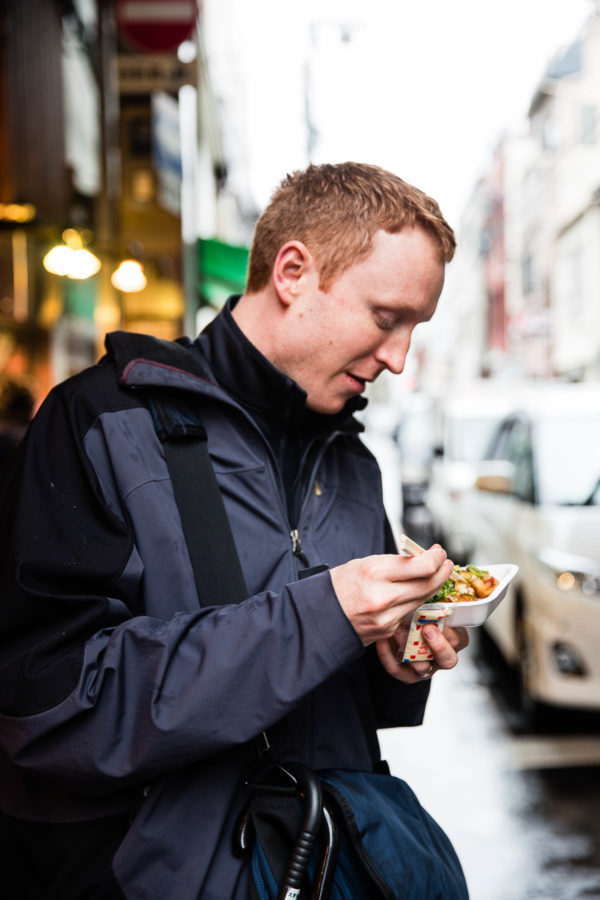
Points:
363	323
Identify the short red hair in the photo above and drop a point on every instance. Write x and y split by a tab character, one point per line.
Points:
335	210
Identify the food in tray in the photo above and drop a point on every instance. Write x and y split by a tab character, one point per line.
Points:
466	583
486	588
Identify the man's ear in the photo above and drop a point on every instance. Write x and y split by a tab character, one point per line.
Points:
291	270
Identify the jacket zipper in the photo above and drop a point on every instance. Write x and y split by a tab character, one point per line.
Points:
304	711
297	548
295	532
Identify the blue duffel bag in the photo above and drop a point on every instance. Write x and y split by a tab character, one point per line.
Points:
348	835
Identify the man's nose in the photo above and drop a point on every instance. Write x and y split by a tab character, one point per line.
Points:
392	352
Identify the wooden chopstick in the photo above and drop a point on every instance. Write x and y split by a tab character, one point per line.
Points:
413	549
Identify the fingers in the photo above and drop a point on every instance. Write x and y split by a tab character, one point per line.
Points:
377	592
445	646
408	578
402	596
432	568
458	638
409	673
387	652
428	564
424	669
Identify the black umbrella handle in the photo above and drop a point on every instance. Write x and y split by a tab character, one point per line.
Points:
309	788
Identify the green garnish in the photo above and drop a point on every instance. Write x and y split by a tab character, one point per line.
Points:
449	586
479	572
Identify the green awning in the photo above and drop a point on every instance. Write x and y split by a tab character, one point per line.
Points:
79	297
221	271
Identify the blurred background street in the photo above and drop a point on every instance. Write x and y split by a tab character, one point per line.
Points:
522	810
139	140
519	802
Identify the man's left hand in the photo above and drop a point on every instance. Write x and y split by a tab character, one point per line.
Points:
444	645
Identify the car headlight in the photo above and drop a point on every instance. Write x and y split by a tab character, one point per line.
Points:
572	572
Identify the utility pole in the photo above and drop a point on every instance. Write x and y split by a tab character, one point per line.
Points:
108	307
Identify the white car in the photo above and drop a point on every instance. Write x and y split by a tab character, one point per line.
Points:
536	503
469	419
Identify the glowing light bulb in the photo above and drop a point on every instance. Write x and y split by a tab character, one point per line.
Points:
83	264
57	261
73	263
129	277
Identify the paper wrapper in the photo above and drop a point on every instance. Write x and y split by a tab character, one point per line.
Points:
416	648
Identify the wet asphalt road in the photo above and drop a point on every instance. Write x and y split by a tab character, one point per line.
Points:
522	809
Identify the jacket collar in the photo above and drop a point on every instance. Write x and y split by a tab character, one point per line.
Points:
141	359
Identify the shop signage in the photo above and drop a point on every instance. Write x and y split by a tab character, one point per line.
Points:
156	26
144	73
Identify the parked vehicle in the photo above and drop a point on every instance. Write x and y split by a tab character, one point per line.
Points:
469	417
535	502
408	426
415	437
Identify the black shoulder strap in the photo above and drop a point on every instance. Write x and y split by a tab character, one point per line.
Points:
208	535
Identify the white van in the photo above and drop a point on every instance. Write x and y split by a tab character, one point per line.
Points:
535	502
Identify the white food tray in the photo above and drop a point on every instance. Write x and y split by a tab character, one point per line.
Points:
470	613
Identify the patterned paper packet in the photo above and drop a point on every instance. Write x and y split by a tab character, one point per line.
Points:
416	648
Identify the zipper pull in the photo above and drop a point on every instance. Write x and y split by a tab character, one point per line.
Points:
296	542
297	547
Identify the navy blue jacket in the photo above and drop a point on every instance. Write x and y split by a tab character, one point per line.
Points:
115	685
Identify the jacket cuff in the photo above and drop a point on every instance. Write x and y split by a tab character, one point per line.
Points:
318	599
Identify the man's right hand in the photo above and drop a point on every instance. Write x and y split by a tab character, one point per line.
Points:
378	592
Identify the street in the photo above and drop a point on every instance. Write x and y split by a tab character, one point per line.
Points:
521	809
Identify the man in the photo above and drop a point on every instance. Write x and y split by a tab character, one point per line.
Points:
129	713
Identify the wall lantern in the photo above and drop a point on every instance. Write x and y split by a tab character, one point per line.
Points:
71	259
129	277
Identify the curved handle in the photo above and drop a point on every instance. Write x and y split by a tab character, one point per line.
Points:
309	788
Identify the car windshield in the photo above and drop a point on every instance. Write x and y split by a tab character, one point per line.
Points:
568	462
467	439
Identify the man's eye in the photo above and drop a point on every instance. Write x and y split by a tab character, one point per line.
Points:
383	323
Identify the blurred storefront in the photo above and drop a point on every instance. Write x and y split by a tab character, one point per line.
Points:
221	271
34	180
109	146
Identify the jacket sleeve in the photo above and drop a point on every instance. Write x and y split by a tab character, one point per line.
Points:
395	703
94	691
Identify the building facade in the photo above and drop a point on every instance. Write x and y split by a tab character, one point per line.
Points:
529	258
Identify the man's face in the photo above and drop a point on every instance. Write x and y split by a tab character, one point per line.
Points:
340	339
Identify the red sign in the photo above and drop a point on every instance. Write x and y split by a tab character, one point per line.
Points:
156	26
